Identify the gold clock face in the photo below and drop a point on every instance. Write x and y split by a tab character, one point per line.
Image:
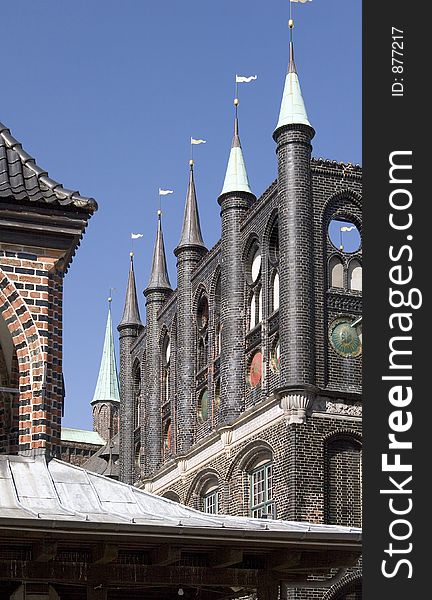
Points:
344	338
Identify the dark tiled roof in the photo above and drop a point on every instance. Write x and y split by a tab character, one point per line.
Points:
23	179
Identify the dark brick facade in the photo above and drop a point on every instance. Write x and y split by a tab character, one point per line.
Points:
258	412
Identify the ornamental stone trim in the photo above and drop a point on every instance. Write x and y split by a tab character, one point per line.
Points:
296	406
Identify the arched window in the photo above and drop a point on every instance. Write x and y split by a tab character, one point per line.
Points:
355	276
252	312
137	391
9	395
171	496
336	272
167	437
275	291
138	457
262	504
218	339
210	497
166	360
202	321
201	355
253	278
343	481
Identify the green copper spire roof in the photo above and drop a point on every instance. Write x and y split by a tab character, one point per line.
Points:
107	387
191	231
159	279
236	179
292	110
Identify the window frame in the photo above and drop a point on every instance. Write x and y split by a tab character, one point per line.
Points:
260	509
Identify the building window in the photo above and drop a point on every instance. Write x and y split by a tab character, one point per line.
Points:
343	490
217	394
275	357
167	437
261	489
210	501
355	276
275	292
166	358
253	277
344	235
336	273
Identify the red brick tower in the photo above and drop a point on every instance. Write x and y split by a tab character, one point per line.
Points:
41	224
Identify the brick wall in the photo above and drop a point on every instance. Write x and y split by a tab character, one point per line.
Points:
31	307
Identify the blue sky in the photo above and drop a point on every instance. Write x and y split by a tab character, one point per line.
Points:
106	96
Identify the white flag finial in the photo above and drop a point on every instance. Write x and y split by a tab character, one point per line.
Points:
195	142
165	192
135	236
243	79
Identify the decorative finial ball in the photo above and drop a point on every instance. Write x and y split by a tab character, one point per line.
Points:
131	254
159	212
236	102
291	23
191	163
110	299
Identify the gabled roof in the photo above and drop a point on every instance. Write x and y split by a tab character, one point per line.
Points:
22	179
81	436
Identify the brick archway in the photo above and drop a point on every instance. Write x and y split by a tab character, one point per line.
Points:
30	357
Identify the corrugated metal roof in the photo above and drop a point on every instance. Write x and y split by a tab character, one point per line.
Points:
32	488
82	436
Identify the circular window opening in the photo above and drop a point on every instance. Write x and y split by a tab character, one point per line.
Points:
203	313
203	406
344	235
255	370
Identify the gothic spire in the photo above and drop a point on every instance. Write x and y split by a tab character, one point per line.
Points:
292	110
159	279
107	386
191	231
131	315
236	179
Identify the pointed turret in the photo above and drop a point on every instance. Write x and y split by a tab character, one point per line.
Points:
131	315
107	387
236	179
292	110
129	329
191	231
159	279
235	200
189	252
293	136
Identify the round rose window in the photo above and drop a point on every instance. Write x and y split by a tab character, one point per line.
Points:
255	369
